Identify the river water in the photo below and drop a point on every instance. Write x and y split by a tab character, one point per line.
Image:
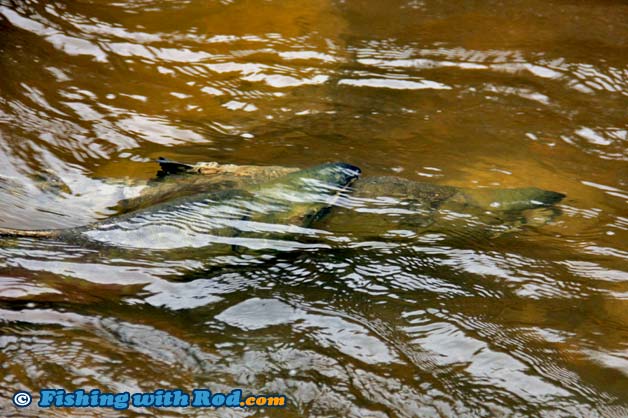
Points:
531	322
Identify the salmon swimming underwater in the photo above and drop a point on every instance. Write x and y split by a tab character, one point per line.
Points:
177	179
287	204
197	205
376	205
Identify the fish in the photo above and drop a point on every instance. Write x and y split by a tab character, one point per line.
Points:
175	179
434	195
371	203
390	206
288	204
377	205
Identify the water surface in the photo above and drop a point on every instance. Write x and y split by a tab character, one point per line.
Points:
533	322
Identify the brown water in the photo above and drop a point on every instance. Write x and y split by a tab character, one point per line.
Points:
525	93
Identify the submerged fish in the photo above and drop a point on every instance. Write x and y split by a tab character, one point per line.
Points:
194	205
177	179
433	195
287	204
394	207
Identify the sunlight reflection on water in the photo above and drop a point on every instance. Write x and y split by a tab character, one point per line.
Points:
369	312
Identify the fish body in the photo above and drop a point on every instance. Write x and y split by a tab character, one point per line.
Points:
516	199
279	206
194	205
434	195
392	206
177	179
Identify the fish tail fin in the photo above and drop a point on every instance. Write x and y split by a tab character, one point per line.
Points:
32	233
510	199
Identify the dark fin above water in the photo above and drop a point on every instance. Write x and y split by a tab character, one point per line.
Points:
34	233
171	167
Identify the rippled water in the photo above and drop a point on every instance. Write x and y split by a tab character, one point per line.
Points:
530	322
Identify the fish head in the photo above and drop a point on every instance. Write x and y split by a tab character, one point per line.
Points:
306	194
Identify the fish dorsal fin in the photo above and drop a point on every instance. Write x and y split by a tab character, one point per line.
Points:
167	167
